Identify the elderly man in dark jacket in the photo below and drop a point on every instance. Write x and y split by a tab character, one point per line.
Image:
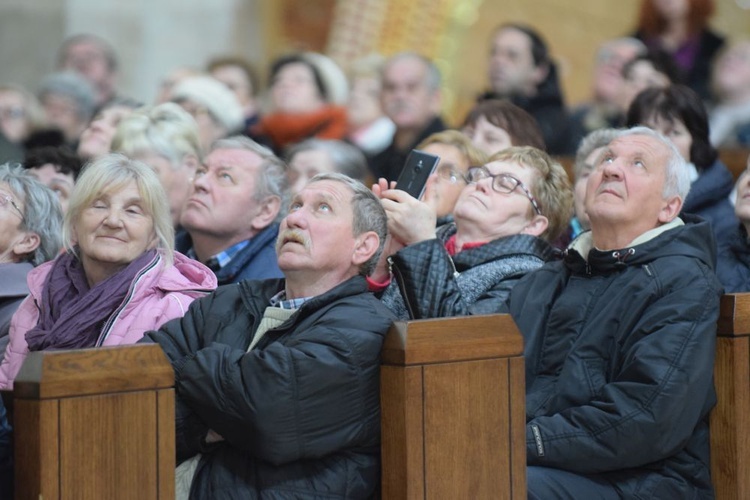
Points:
619	338
277	380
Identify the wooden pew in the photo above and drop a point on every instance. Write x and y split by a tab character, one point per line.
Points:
735	160
453	410
730	436
95	424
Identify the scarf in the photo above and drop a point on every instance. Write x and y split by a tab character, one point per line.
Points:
285	129
72	314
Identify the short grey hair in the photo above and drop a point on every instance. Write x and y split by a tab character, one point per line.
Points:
346	158
369	214
677	178
73	86
166	130
433	79
42	213
111	172
273	178
597	139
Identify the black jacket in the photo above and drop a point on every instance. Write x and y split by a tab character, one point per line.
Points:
429	283
733	265
619	362
300	412
389	162
709	198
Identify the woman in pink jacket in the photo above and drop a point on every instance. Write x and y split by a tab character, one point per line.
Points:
119	276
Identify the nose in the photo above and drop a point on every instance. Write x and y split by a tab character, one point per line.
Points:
296	219
201	182
611	170
113	218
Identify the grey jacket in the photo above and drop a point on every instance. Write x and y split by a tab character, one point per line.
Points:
429	283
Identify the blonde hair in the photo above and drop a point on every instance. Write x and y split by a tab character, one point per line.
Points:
111	172
166	130
459	141
551	186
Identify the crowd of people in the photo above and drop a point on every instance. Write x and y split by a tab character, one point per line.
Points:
260	238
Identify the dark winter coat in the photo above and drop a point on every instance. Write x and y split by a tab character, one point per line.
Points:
429	283
709	198
619	353
299	413
733	265
257	261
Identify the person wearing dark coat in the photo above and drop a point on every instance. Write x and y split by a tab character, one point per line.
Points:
513	206
733	264
620	338
521	70
411	99
230	219
277	381
677	112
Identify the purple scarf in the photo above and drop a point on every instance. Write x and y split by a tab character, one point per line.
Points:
72	314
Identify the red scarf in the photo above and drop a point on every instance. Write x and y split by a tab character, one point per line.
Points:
450	245
285	129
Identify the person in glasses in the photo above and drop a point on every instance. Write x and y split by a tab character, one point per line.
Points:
30	234
505	218
457	154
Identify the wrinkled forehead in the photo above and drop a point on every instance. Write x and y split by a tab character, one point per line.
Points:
329	190
641	145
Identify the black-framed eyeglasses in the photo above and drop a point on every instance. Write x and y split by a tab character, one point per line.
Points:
502	183
6	200
450	174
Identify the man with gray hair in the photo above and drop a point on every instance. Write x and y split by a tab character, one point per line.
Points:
277	380
232	212
93	58
620	336
411	98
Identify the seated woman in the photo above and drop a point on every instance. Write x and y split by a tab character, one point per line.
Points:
30	235
505	219
457	154
497	124
678	113
733	263
166	138
303	91
119	276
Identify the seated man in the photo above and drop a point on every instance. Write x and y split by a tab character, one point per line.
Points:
232	210
619	338
277	380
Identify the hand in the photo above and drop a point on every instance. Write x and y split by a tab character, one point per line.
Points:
409	220
382	185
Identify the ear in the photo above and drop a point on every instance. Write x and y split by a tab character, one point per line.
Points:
268	209
670	209
365	246
27	243
536	226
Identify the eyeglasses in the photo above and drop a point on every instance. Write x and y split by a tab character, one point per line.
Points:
450	174
6	200
12	113
502	183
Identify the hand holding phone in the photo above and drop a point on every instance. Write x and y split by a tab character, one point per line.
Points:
417	169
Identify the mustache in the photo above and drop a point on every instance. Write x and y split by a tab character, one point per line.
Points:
293	235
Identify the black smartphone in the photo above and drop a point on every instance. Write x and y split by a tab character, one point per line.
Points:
417	169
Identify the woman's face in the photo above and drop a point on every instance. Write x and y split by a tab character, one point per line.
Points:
306	164
364	101
448	180
114	230
14	119
11	220
676	131
742	205
176	179
488	137
672	10
96	139
487	214
293	89
61	184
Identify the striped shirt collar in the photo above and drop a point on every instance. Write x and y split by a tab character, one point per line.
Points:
280	300
221	259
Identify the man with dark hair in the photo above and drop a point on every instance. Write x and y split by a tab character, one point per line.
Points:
520	69
620	337
277	380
